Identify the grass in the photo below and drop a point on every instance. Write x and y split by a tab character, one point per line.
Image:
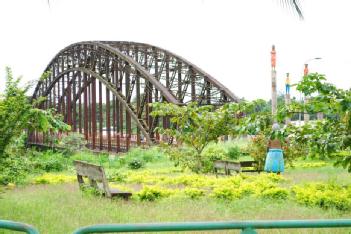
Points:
63	208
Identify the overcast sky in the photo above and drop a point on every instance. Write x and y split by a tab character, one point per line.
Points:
231	40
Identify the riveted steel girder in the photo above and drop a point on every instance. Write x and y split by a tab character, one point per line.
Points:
103	90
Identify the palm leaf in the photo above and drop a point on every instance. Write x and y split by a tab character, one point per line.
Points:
293	5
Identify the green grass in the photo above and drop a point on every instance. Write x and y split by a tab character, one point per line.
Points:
63	208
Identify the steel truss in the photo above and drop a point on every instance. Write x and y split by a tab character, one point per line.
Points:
103	90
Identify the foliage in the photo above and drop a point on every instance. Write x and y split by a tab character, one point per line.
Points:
135	163
137	157
73	142
197	185
152	193
327	137
311	164
257	148
196	126
18	165
152	154
194	193
17	114
325	195
49	178
234	152
91	191
13	170
210	154
99	159
275	193
47	161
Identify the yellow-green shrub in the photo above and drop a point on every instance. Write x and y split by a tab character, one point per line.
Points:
275	193
228	193
152	193
194	193
53	179
313	164
328	195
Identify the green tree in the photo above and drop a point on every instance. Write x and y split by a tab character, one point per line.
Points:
18	114
328	136
196	127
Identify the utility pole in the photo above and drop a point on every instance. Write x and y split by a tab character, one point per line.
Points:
274	84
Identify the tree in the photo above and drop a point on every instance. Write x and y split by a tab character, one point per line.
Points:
18	114
326	137
195	126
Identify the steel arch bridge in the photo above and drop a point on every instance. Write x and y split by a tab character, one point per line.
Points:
103	88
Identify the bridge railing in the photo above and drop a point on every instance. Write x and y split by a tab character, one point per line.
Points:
246	227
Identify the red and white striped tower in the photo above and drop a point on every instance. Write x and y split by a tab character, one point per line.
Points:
287	95
306	116
274	84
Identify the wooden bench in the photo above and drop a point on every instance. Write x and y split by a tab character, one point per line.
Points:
250	166
228	166
95	175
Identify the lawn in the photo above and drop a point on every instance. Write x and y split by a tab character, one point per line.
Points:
61	208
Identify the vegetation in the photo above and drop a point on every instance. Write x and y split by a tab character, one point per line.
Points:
331	136
196	127
310	186
18	114
159	187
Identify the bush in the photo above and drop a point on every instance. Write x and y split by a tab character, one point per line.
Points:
324	195
48	161
73	142
115	176
210	154
227	193
275	193
53	179
135	163
91	191
194	193
257	149
13	170
234	152
91	158
152	193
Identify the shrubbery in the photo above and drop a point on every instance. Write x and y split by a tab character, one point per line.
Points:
194	193
73	142
152	193
48	161
324	195
49	178
135	163
210	154
234	152
13	170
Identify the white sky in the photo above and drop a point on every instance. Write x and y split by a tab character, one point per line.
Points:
229	39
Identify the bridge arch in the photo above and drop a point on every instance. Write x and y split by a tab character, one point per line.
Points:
102	89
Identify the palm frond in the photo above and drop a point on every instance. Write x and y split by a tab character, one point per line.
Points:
293	5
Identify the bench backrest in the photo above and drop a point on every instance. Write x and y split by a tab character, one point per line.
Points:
220	164
94	173
248	164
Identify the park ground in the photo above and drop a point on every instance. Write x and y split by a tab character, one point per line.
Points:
53	202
